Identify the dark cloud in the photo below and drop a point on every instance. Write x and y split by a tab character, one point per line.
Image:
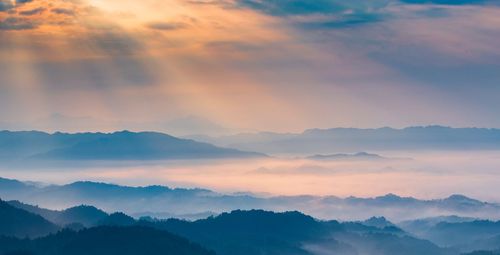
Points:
6	5
23	1
63	11
16	24
341	13
448	2
166	25
332	13
343	21
306	7
293	7
32	11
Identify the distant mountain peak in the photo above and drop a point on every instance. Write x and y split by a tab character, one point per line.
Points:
390	196
379	222
120	145
458	198
342	156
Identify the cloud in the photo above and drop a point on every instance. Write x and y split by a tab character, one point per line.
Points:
64	11
335	14
6	5
167	26
321	14
342	21
449	2
32	11
305	7
16	24
301	57
293	7
23	1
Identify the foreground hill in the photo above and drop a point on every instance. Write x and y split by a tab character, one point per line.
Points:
85	215
293	233
236	233
21	223
250	232
105	240
123	145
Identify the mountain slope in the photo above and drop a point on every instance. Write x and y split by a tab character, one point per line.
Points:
293	233
123	145
105	241
21	223
86	215
161	200
239	232
339	140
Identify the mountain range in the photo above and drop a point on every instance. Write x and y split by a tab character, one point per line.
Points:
344	156
341	140
161	200
242	232
237	232
24	146
124	145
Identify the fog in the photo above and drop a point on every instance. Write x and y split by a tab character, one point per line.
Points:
424	175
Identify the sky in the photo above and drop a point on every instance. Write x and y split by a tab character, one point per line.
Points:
277	65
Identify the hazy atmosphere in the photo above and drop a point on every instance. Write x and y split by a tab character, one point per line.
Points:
247	127
424	175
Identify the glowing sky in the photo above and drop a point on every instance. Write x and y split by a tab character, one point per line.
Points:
282	65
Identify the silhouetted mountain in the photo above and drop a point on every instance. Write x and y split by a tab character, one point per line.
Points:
461	233
353	139
21	223
160	200
239	232
50	215
85	215
419	227
485	244
117	219
166	215
249	232
291	233
123	145
356	156
462	201
389	244
483	253
379	222
10	187
104	241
